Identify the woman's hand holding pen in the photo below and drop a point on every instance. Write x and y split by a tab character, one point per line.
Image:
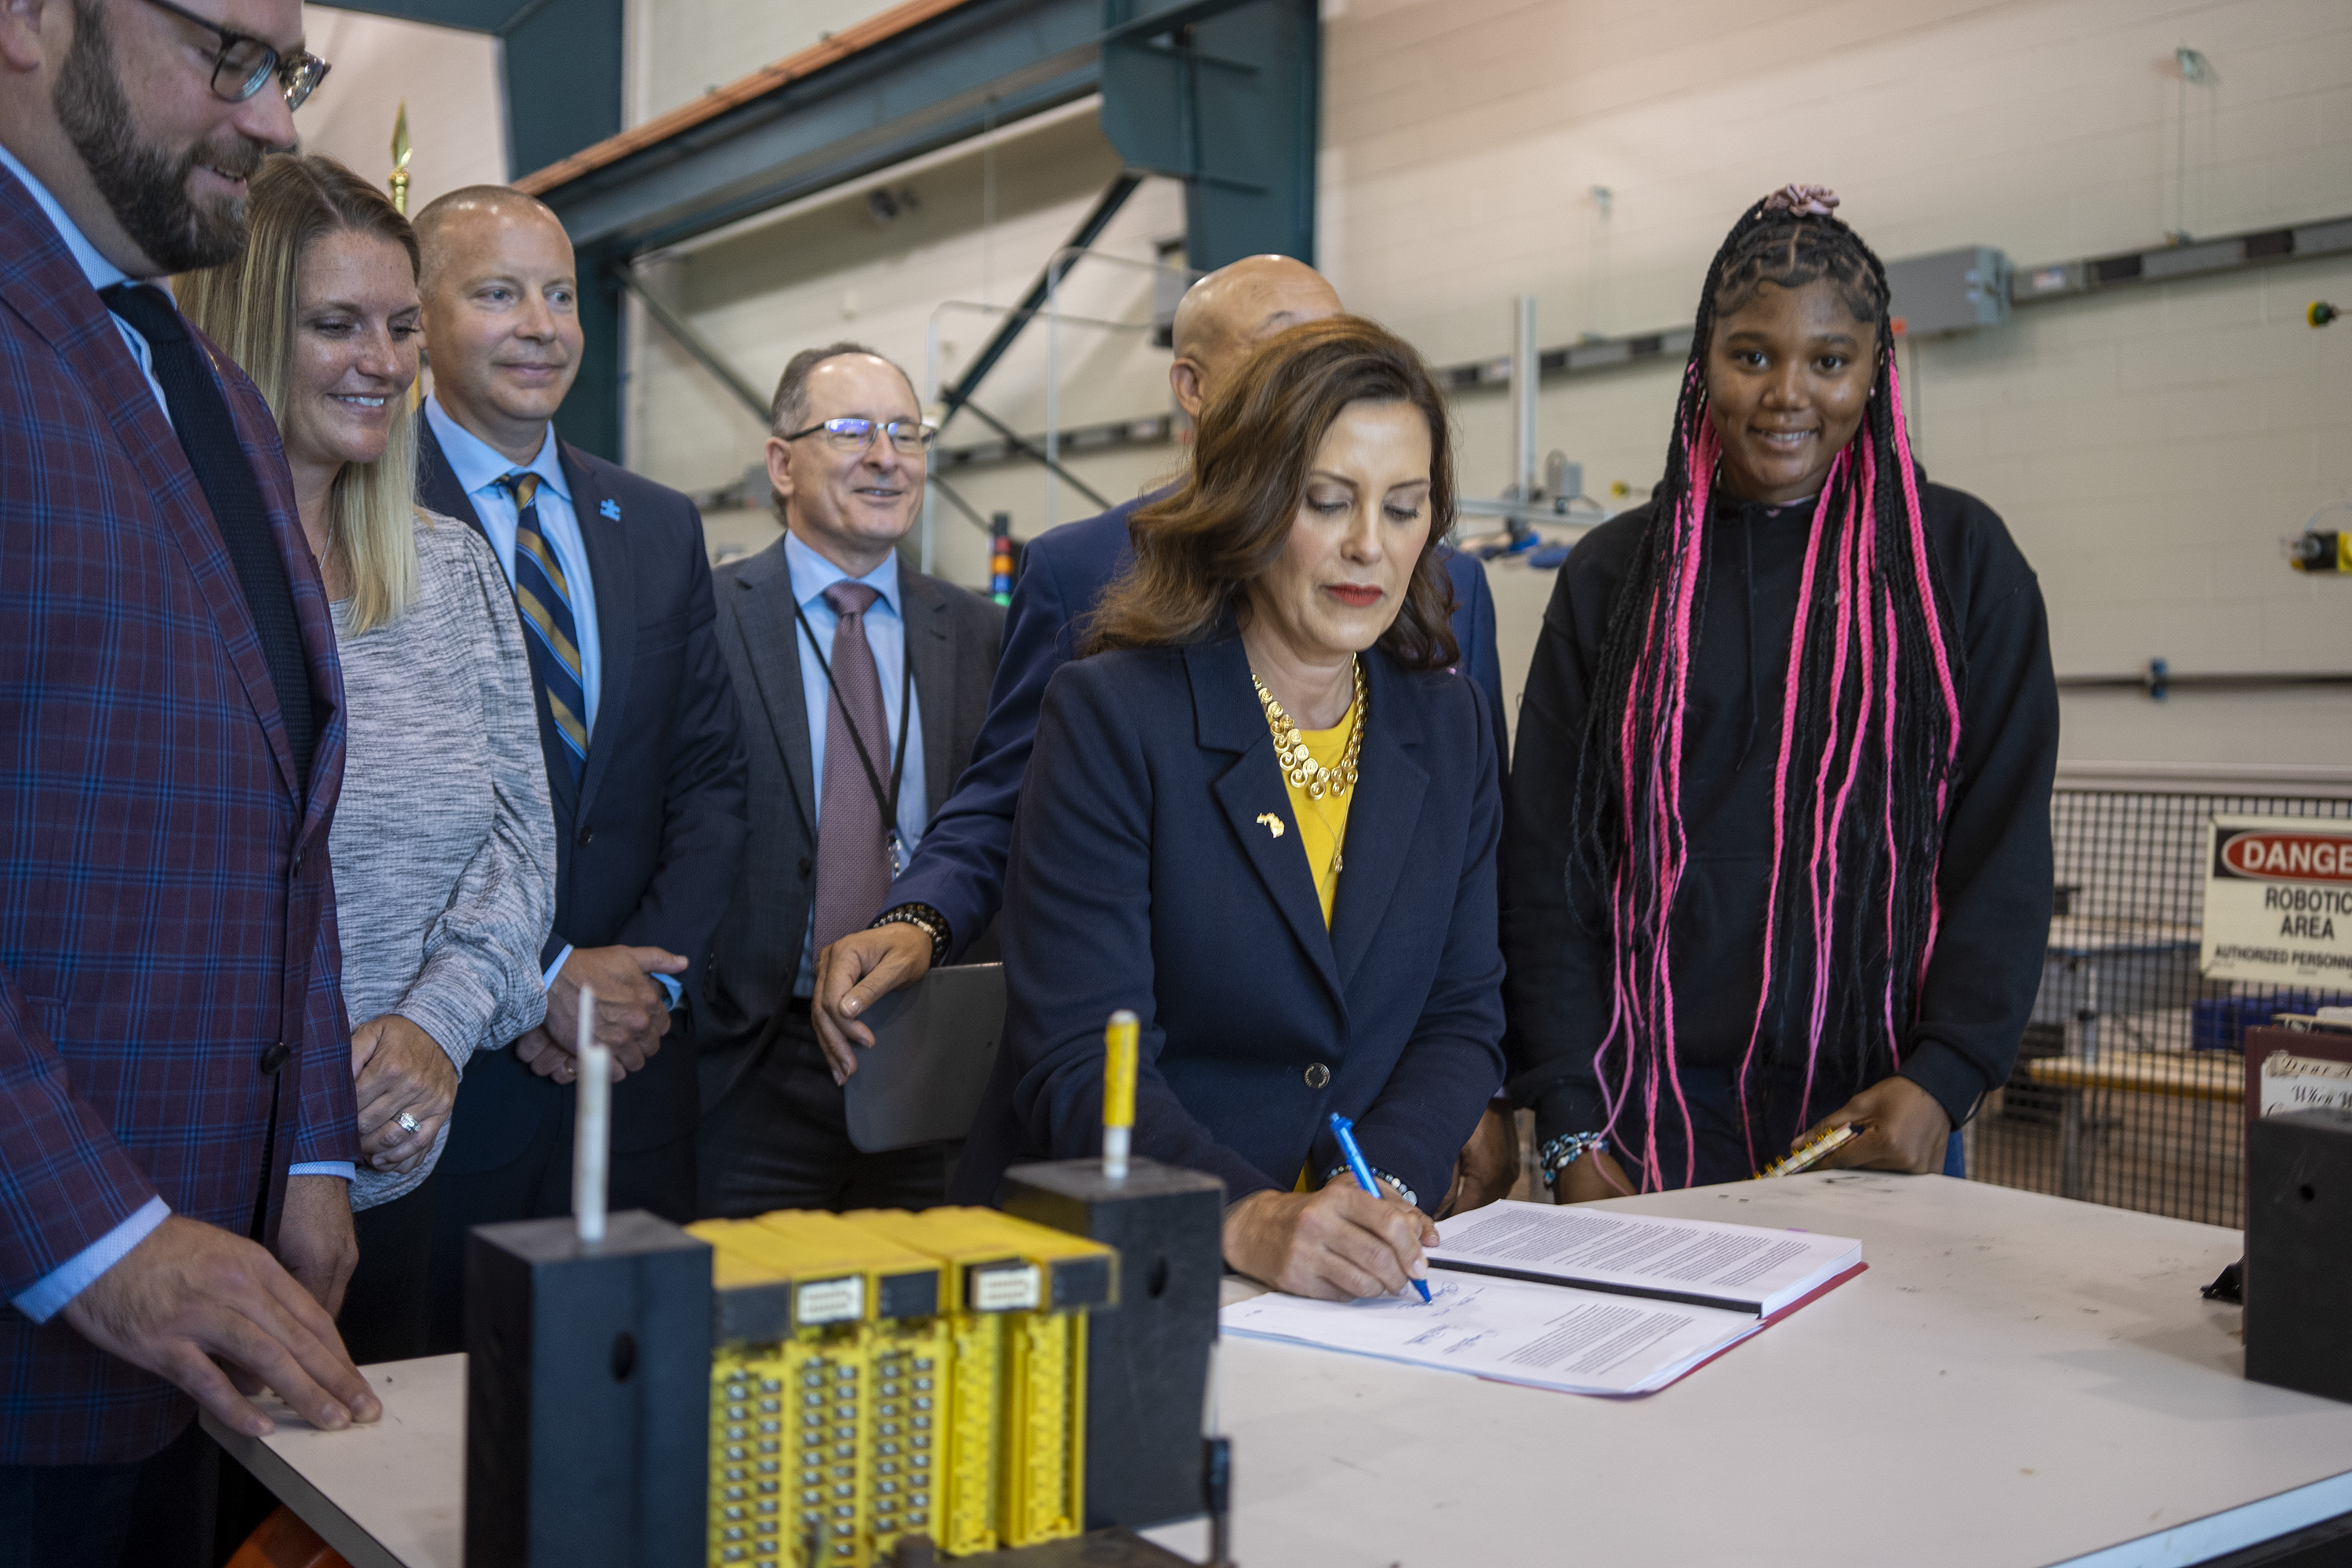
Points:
1336	1245
1901	1129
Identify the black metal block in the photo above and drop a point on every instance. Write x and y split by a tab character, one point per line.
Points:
1148	1358
1097	1549
587	1395
2299	1251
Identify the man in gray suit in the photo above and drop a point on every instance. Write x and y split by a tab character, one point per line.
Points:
862	684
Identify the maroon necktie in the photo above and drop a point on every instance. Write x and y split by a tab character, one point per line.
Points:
853	848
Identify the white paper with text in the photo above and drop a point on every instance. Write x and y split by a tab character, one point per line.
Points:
1740	1267
1545	1336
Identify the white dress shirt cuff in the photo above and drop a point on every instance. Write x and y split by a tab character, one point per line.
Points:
670	985
48	1296
344	1168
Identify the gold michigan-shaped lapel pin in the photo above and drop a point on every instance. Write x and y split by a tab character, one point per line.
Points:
1272	822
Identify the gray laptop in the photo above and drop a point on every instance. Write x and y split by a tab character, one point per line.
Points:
935	1044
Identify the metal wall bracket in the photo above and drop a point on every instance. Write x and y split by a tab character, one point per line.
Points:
562	60
1226	97
925	75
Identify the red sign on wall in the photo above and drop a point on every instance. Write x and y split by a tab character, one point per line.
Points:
2284	856
2278	902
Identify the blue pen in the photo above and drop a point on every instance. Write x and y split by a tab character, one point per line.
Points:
1345	1131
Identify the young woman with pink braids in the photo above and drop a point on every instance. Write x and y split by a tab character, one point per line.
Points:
1777	855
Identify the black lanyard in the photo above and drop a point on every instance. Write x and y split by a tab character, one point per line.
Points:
888	802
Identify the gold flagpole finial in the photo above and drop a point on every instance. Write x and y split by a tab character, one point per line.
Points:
400	150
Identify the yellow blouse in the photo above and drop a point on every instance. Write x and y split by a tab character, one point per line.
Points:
1323	823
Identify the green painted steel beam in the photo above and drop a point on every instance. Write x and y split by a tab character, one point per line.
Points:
562	63
1222	94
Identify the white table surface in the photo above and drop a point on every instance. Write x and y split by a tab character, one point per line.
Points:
387	1495
2016	1380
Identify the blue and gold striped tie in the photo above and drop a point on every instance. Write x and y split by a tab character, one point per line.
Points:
545	600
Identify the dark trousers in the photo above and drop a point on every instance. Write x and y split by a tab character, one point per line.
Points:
1723	1152
156	1513
780	1139
537	1185
385	1318
387	1309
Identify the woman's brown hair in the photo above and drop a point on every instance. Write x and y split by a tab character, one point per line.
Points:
1197	551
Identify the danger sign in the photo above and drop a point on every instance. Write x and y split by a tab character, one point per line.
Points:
2296	857
2278	902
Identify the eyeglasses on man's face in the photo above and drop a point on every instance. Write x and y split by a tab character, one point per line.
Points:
245	64
908	436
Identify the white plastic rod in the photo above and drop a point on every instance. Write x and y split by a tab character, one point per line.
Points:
1527	377
592	1131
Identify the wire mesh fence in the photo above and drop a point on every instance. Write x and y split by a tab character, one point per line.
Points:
2129	1088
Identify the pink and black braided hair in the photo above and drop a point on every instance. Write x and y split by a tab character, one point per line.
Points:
1870	732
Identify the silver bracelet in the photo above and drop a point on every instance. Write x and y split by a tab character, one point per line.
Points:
1558	1153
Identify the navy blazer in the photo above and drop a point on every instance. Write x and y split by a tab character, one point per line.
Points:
959	868
648	840
1156	866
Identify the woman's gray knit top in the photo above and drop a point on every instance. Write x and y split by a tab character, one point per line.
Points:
443	844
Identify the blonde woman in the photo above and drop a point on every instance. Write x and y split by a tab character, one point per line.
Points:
443	842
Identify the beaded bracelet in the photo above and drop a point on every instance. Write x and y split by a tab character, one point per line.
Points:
1558	1153
1341	1173
923	918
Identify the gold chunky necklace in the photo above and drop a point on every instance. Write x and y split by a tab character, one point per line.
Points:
1290	748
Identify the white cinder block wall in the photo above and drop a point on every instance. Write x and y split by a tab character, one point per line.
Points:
2150	448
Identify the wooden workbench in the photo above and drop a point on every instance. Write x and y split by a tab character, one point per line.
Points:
2208	1075
2016	1380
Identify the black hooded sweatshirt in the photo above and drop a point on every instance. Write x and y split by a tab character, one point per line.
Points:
1994	880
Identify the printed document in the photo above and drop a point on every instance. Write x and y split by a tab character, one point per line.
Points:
1545	1336
1739	1267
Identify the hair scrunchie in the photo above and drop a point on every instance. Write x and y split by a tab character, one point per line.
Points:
1803	200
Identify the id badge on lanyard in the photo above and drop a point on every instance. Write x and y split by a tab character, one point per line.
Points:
887	800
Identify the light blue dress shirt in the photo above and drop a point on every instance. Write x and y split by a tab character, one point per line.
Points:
886	634
101	273
479	467
47	1295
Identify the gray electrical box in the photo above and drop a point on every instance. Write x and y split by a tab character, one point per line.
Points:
1948	291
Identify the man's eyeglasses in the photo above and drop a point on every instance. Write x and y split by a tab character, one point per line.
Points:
909	436
245	64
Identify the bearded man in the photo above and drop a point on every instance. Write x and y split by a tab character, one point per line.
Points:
176	1123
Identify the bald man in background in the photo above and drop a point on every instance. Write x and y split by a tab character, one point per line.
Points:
951	892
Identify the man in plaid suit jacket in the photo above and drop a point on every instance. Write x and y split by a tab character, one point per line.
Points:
176	1081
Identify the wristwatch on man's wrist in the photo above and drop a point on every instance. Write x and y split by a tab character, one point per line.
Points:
924	918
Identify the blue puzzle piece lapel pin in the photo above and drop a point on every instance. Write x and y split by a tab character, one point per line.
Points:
611	509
